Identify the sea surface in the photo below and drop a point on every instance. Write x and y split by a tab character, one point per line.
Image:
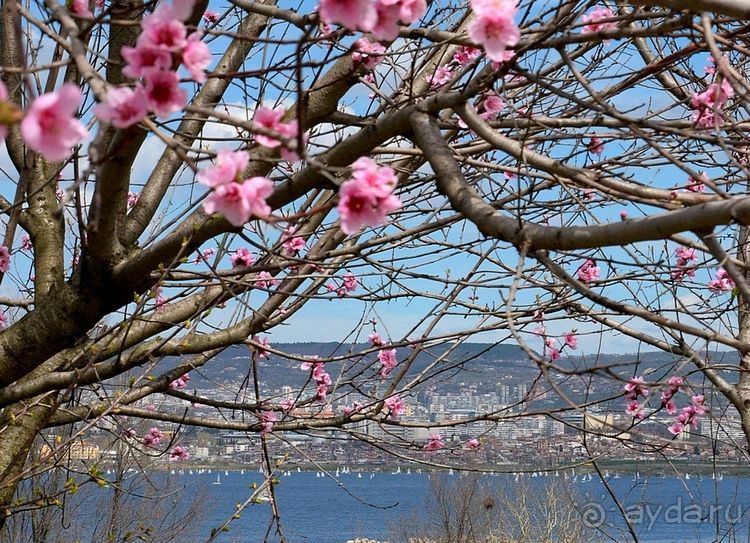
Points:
335	508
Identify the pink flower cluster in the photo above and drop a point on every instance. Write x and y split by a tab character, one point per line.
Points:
367	53
4	259
707	105
270	119
162	42
180	383
267	419
375	339
435	443
235	199
388	361
685	255
466	55
697	185
689	415
588	272
79	8
265	280
260	344
439	77
593	20
50	126
179	453
380	17
673	387
153	437
366	198
242	258
494	27
320	376
292	244
634	388
595	146
356	407
395	406
721	283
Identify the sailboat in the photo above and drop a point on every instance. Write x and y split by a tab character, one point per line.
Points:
218	479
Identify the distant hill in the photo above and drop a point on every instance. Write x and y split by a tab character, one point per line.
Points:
480	366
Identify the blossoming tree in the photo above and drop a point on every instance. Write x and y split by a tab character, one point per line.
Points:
182	176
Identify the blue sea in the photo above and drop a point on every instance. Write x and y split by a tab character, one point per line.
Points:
334	509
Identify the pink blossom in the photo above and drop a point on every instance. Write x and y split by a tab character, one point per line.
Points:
50	126
178	453
26	244
79	8
375	339
595	146
492	106
685	255
395	406
163	93
707	104
265	280
152	437
267	419
721	283
228	168
710	68
588	272
321	392
697	185
180	383
261	344
634	410
124	107
540	330
670	407
493	27
242	258
210	16
350	282
593	19
435	443
237	202
386	26
4	259
636	387
388	361
143	57
466	54
571	340
204	255
196	57
132	198
676	428
623	215
270	119
164	30
473	444
287	404
409	11
367	53
366	198
351	14
440	76
182	9
554	354
699	404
